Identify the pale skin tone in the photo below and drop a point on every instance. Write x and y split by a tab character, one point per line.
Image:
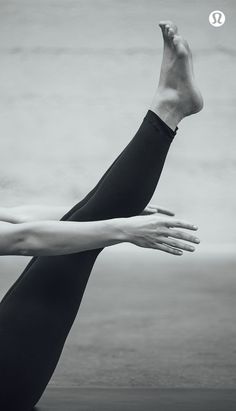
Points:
177	95
35	230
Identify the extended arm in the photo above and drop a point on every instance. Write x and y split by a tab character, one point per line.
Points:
67	237
27	213
56	237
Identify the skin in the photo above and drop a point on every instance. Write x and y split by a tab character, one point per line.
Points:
176	97
27	213
35	231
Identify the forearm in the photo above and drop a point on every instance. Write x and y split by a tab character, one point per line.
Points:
27	213
67	237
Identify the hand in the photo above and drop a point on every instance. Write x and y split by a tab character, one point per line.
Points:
161	233
154	209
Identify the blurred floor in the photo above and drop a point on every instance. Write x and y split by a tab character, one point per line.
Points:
137	400
151	320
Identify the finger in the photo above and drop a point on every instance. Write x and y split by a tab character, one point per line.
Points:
162	210
168	249
182	235
148	211
177	244
152	209
180	223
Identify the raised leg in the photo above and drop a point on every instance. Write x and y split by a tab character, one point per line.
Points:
37	315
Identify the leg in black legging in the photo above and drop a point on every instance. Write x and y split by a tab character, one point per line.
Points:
66	216
37	315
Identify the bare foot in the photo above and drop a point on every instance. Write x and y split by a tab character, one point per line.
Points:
177	95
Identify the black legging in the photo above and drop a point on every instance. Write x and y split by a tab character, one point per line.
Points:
38	311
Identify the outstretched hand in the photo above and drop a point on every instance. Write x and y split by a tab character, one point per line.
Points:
153	209
162	233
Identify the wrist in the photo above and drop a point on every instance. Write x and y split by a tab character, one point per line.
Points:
120	230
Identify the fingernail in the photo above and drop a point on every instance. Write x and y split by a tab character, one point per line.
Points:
195	227
179	252
192	248
197	240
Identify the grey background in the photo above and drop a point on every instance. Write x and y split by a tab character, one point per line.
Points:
76	79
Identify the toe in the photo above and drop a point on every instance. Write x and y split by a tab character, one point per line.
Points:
162	26
176	40
165	22
168	27
171	33
179	44
174	28
165	29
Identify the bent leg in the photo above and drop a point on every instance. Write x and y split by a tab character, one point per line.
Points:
40	311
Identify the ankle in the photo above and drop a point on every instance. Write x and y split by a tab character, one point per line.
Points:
167	107
170	115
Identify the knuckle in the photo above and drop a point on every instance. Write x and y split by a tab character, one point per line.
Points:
163	231
178	223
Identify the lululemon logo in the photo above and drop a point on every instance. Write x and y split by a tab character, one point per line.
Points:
216	18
